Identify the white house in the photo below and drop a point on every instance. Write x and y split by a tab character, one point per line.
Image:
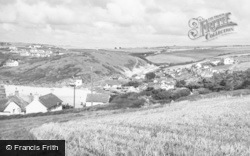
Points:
11	63
45	103
112	84
228	61
132	89
167	85
12	105
78	82
97	99
198	65
215	62
13	48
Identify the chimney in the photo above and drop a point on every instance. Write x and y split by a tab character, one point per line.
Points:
17	92
36	97
31	97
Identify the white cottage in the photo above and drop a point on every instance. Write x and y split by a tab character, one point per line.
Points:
12	105
45	103
97	99
11	63
228	61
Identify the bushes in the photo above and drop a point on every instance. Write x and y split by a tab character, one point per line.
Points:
202	91
132	83
176	94
150	76
128	100
135	100
220	82
67	106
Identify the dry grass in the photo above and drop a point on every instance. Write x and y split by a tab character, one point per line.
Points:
218	126
18	128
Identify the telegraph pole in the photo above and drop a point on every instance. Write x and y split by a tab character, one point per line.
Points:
74	87
91	75
74	95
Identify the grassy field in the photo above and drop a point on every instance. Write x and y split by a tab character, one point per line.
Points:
217	126
193	55
18	127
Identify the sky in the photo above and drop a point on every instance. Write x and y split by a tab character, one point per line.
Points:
117	23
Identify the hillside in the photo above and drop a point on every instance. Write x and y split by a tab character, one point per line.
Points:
218	126
59	69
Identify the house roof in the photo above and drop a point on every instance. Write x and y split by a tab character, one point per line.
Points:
98	98
50	100
17	100
3	104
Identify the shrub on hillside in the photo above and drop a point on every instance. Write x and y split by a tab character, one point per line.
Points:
202	91
128	100
176	94
194	85
132	83
150	76
181	83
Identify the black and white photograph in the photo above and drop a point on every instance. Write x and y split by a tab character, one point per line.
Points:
124	78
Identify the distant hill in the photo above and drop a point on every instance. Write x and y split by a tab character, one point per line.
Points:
57	70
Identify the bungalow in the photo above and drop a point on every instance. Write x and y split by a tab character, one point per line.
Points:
45	103
97	99
112	84
12	105
215	62
228	61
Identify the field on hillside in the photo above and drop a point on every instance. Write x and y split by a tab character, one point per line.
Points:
218	126
57	70
168	58
136	50
193	55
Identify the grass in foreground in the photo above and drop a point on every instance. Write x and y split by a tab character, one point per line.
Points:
19	128
218	126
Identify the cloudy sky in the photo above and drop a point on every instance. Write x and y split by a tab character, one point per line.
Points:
109	23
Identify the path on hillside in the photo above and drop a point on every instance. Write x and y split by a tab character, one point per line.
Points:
136	63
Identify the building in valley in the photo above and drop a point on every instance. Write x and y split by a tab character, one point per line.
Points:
13	105
97	99
46	103
11	63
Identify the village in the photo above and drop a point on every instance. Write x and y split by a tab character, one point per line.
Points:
33	50
16	99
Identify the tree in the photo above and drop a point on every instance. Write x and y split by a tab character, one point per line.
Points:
181	83
150	76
